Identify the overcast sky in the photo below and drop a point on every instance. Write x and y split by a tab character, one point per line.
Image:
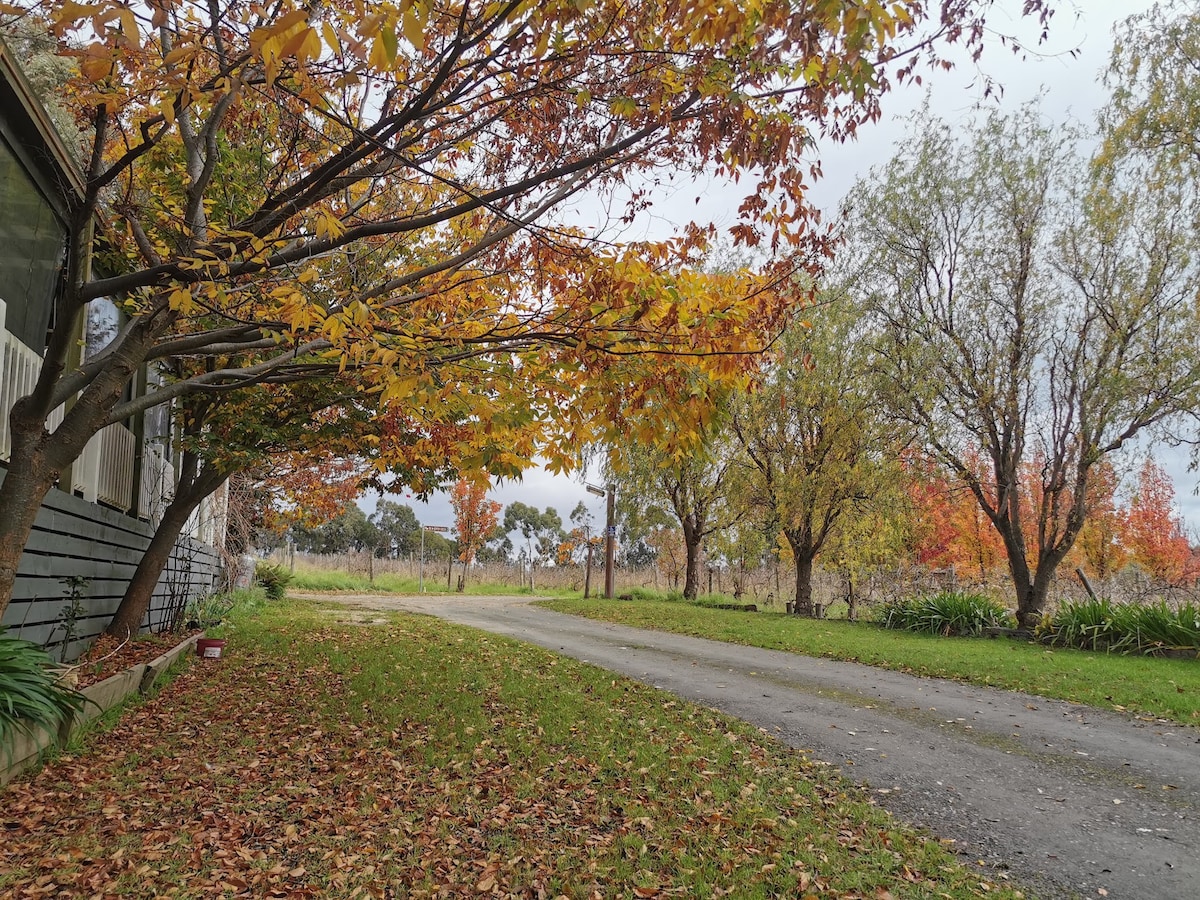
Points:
1066	72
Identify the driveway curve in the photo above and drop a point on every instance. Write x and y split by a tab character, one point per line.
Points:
1075	801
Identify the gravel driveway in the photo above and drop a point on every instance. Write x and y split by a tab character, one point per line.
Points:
1073	800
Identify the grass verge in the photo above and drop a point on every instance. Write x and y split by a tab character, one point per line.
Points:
1166	688
422	759
330	582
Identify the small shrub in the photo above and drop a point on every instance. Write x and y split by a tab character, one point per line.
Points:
207	612
30	695
948	613
274	580
1157	626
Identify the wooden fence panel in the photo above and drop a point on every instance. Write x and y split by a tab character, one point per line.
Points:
75	538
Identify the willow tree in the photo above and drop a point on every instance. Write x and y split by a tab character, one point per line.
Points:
818	446
1038	315
414	152
686	483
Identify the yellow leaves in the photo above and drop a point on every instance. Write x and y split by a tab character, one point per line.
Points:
328	225
330	35
288	37
399	388
414	19
623	106
181	301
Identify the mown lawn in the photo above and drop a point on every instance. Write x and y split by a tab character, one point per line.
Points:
421	759
1166	688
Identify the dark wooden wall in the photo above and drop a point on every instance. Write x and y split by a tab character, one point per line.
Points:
73	537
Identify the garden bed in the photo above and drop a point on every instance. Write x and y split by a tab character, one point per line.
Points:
133	668
109	655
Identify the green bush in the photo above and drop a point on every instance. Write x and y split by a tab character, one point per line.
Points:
274	580
1123	627
30	695
949	613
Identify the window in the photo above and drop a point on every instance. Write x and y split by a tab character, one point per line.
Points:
32	243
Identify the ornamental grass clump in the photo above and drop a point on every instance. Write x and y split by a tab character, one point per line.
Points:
30	696
1124	627
947	613
274	580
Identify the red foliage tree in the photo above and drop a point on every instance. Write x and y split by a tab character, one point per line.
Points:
475	517
1154	532
1100	549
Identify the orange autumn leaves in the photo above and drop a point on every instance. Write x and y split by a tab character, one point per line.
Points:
1138	526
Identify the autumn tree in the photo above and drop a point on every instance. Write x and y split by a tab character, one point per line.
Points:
946	527
1154	111
331	441
1101	540
1034	310
365	186
1154	534
815	437
682	483
475	518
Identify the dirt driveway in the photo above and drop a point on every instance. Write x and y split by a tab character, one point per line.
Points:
1074	801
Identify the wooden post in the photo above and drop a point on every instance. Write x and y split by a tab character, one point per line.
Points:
1087	585
610	544
587	572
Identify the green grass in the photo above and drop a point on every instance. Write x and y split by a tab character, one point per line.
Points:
423	759
1168	688
328	582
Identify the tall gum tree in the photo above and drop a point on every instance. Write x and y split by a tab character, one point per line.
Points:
243	153
1034	310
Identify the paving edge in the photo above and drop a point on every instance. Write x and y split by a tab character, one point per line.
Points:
25	750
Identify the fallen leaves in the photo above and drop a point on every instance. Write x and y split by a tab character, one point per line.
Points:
424	761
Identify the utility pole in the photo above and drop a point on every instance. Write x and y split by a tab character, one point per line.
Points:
610	540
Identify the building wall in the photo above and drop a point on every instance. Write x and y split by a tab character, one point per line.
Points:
74	537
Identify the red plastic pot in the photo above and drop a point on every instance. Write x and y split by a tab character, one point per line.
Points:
210	648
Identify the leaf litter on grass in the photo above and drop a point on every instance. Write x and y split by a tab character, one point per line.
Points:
426	760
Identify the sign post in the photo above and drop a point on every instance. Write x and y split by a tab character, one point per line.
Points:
587	578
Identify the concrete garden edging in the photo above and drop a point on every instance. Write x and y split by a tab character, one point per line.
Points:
26	749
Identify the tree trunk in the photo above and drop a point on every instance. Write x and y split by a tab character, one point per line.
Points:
37	459
1032	601
804	572
138	593
35	463
693	541
25	485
